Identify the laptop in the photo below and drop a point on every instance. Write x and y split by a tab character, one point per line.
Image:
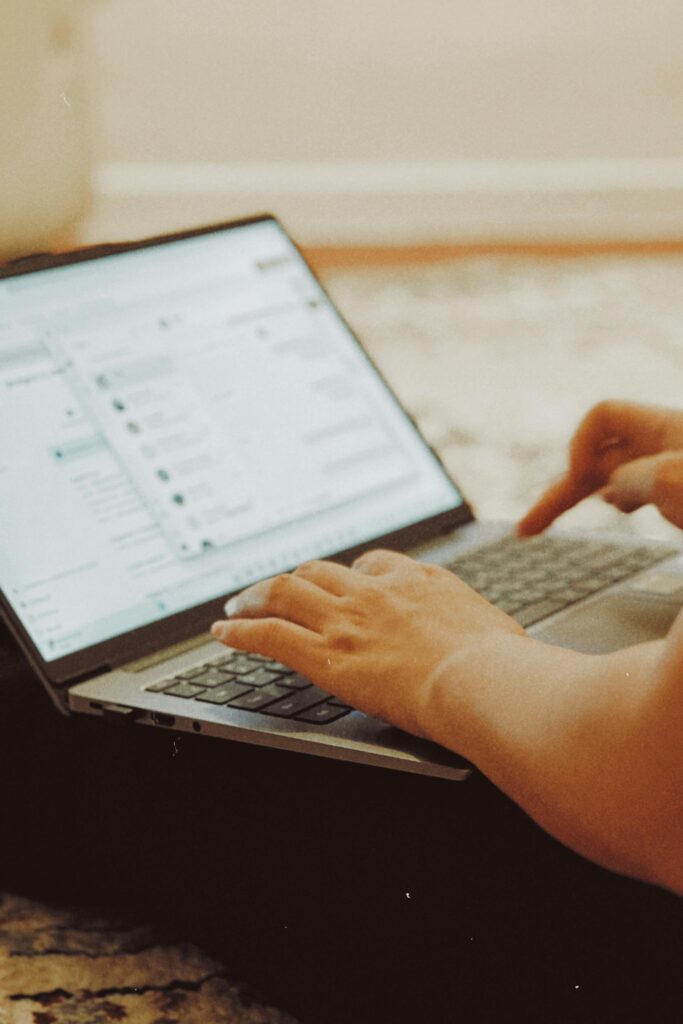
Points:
186	415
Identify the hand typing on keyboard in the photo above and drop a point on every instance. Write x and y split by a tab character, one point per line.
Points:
591	746
373	635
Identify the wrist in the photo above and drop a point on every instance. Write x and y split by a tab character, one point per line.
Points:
475	673
496	695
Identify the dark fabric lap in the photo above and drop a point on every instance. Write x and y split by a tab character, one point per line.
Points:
344	893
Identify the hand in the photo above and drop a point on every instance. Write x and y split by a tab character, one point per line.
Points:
654	479
612	435
374	634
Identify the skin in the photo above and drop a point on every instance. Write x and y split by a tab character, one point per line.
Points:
591	746
629	454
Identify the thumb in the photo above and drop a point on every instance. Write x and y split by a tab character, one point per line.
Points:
667	487
631	485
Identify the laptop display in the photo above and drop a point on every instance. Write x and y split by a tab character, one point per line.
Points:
181	420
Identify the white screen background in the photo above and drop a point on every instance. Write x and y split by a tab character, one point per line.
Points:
182	420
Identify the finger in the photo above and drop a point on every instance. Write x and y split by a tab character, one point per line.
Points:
379	562
287	597
612	496
559	498
631	485
329	576
614	433
294	645
667	487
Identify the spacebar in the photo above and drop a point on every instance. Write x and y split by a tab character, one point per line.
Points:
534	612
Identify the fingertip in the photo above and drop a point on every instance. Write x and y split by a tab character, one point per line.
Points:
529	525
218	630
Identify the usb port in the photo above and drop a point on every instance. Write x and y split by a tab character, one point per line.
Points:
159	718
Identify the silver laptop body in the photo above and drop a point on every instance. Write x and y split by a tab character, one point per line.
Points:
187	415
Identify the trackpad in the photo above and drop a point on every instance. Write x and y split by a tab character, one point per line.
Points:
609	623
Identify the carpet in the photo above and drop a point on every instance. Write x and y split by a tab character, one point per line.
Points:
76	966
497	359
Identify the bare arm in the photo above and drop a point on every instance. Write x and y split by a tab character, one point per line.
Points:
590	746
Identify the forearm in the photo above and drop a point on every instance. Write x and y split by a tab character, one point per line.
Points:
580	742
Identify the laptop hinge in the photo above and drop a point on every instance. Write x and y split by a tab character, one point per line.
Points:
101	670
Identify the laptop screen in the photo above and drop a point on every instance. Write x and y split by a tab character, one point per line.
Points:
183	419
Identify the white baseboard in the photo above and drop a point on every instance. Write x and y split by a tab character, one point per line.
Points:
354	203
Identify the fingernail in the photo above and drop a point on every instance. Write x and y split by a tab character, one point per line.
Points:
217	630
250	600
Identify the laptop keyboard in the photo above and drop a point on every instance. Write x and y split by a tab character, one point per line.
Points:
534	578
529	580
252	682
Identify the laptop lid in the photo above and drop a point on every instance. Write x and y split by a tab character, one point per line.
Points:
181	417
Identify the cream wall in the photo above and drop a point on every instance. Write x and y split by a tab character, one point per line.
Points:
44	165
438	120
440	79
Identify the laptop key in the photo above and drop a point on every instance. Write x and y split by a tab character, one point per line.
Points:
222	659
257	699
212	677
259	677
297	702
339	703
190	673
240	664
163	684
183	689
295	681
222	694
277	666
323	713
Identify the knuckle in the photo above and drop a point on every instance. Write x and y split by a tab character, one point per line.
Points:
308	568
343	638
603	413
608	407
343	643
278	587
378	556
364	559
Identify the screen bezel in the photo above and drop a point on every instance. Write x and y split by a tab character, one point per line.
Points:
180	626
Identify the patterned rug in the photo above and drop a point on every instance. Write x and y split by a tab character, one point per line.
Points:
78	967
497	359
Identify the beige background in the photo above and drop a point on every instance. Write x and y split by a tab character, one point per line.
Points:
447	120
312	80
383	122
